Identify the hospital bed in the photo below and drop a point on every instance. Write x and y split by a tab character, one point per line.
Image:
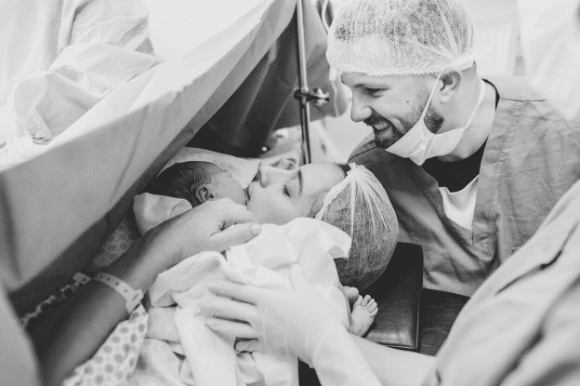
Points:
233	88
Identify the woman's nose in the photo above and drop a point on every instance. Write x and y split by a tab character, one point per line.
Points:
268	175
359	110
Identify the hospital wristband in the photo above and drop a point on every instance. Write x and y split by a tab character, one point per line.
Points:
133	297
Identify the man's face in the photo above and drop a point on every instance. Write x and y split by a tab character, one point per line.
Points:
391	105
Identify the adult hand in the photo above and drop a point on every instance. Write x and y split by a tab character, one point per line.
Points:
283	321
211	226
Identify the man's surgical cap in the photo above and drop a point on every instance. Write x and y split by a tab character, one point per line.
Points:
401	37
359	206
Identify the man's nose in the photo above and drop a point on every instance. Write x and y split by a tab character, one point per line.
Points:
359	111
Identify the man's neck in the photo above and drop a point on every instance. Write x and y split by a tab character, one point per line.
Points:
476	134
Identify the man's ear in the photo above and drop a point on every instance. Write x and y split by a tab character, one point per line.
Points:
203	194
451	80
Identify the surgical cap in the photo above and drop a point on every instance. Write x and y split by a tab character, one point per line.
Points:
401	37
359	206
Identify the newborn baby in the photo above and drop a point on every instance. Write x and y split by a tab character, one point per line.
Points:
198	182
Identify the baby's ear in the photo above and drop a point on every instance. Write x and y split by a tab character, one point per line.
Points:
203	194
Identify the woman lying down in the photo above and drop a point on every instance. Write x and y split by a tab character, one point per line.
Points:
178	347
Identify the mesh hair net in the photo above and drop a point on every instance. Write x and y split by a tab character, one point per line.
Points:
359	206
401	37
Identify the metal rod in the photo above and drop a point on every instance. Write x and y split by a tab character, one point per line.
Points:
303	83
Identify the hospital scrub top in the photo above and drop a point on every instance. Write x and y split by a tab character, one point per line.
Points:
531	158
521	327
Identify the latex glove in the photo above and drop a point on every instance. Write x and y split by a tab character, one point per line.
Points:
271	317
213	226
299	323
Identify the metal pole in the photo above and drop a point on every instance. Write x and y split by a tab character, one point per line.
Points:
303	84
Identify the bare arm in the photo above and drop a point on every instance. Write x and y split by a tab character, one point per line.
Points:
395	367
94	311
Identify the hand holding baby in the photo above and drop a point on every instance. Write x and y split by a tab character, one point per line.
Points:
207	227
294	322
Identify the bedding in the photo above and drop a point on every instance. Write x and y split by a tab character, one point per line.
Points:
179	349
90	49
113	150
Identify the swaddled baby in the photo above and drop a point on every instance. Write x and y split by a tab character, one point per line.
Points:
198	182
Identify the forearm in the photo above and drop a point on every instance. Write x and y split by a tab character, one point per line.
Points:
93	312
395	367
338	361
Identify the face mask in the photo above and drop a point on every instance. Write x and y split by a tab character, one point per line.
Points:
419	144
550	40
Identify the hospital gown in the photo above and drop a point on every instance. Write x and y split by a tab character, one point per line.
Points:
532	157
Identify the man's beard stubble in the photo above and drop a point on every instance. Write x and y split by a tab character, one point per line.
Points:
433	121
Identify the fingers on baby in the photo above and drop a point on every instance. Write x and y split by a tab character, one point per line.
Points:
232	329
235	291
225	308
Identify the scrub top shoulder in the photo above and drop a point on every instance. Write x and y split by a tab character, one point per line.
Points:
531	158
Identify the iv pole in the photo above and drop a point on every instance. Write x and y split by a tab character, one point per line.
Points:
303	94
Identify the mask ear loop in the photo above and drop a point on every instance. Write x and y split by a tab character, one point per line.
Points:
431	96
458	64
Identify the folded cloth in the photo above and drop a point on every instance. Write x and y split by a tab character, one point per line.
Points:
264	261
87	49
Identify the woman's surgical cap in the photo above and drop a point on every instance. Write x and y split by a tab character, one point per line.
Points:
401	37
359	206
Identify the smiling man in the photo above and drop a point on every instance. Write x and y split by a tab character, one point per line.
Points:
472	165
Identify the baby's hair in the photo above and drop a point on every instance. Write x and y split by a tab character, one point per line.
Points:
181	180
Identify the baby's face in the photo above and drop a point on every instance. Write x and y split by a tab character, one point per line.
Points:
223	185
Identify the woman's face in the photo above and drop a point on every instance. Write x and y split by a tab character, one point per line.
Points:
277	196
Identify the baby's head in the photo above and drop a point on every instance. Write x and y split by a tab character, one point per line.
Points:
198	182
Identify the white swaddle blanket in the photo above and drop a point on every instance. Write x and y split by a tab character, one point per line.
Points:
264	261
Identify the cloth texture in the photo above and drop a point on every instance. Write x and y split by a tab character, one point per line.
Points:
70	55
116	359
531	159
521	326
459	206
17	357
359	206
264	261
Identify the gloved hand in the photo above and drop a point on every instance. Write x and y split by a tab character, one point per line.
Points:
298	322
282	321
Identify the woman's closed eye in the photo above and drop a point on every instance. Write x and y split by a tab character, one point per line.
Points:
286	191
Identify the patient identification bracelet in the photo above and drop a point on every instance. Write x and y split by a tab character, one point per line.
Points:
132	296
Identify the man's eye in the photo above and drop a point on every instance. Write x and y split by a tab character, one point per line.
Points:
285	190
373	91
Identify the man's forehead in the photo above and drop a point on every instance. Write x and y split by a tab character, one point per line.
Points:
355	80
